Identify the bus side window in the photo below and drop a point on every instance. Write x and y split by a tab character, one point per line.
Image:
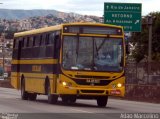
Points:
27	42
57	33
57	41
16	43
23	42
30	41
40	40
51	38
47	39
37	40
43	39
34	40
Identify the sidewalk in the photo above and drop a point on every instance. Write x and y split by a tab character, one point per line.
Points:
5	83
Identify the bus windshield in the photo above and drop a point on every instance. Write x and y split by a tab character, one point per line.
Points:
92	53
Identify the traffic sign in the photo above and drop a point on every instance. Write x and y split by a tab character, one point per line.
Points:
127	15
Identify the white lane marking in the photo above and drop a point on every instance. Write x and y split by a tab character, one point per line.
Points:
81	111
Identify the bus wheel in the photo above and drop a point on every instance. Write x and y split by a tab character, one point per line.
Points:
32	96
52	99
102	101
65	99
24	94
72	99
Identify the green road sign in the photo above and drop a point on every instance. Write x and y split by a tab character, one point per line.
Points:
127	15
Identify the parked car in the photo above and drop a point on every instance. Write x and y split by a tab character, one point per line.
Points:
5	75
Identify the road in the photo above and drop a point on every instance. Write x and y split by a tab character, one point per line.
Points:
10	102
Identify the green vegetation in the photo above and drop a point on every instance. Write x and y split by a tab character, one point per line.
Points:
140	39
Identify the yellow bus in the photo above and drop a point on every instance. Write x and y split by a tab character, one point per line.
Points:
71	61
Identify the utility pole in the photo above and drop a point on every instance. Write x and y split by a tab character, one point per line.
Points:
150	22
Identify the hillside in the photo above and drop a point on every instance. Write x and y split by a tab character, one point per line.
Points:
10	26
23	14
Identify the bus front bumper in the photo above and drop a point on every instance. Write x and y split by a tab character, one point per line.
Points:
92	91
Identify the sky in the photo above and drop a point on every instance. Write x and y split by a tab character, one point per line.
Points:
85	7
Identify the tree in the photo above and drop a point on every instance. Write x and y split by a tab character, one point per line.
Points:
140	40
8	45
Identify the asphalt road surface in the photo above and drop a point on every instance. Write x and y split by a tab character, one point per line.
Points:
10	102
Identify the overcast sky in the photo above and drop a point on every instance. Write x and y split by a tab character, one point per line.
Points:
88	7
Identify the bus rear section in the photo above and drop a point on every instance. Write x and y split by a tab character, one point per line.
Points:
35	62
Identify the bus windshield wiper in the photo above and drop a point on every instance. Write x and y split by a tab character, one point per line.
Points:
104	40
100	46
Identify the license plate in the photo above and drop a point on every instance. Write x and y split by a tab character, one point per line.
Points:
94	81
115	92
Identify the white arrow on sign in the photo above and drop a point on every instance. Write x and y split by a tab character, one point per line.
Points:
136	22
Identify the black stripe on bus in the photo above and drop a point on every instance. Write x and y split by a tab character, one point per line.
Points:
37	68
35	52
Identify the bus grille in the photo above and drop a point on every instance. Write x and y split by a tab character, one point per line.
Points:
92	91
84	82
96	77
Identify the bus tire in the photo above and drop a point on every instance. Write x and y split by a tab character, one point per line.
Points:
65	99
52	99
72	99
32	96
68	99
102	101
24	94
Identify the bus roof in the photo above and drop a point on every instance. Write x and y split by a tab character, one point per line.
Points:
59	27
36	31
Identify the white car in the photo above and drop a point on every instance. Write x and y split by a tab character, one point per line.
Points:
5	75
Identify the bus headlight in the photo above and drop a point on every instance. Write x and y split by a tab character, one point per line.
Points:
119	85
66	83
